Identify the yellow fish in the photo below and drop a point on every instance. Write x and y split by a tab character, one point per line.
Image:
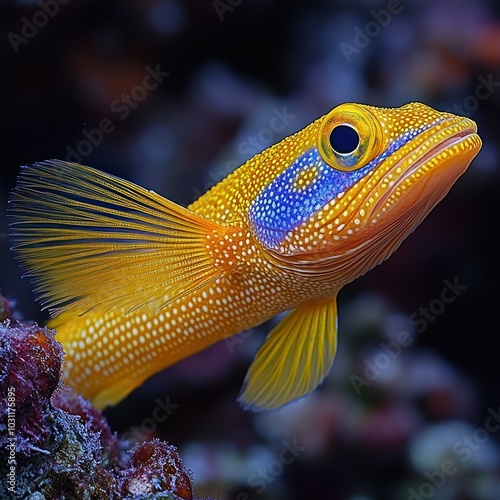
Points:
137	282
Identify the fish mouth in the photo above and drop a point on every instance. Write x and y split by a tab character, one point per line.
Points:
456	144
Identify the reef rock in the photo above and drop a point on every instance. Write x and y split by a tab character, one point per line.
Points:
55	444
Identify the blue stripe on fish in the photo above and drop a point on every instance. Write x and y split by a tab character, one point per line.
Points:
286	203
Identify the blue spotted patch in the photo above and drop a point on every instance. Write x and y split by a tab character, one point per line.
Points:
282	206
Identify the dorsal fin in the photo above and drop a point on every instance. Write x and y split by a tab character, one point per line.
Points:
92	241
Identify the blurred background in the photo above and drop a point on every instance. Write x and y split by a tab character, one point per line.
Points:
173	95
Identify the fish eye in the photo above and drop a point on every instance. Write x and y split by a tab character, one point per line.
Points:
344	139
349	137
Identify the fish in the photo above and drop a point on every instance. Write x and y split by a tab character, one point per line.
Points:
135	282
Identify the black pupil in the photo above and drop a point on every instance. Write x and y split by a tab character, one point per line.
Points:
344	139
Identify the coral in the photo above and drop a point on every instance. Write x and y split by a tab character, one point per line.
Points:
156	467
74	404
55	444
30	362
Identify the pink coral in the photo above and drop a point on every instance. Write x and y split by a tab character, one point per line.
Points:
156	467
30	361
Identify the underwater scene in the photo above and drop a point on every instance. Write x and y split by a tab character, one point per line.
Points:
248	250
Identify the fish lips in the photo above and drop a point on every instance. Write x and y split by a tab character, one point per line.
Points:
426	174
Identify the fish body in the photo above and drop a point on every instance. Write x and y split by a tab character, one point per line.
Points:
137	283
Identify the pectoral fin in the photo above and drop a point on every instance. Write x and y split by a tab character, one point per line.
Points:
295	358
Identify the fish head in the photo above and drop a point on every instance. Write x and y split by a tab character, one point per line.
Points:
368	178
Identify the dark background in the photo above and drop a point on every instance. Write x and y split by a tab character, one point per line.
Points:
232	65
